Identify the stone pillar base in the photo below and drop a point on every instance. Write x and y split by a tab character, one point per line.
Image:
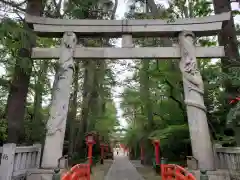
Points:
216	175
41	174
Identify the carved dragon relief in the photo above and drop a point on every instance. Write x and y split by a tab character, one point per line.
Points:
188	66
58	111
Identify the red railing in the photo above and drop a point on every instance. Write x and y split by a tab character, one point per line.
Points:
78	172
172	171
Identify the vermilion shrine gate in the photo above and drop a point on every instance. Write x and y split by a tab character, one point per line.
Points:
186	51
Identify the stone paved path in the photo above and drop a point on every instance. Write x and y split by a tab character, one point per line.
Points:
136	163
122	169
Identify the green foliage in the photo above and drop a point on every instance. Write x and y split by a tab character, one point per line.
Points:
233	115
3	131
164	86
106	124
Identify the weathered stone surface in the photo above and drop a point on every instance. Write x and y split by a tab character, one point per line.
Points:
41	174
91	22
227	158
206	26
58	112
217	175
137	31
196	110
127	41
136	163
127	53
16	161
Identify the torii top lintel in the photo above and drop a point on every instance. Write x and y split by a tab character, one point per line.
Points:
203	26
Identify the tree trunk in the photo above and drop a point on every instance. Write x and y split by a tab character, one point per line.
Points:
86	95
228	39
97	96
16	103
56	124
37	129
73	110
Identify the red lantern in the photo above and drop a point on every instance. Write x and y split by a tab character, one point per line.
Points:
90	138
90	141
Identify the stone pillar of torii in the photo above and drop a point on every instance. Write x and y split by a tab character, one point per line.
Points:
186	51
56	124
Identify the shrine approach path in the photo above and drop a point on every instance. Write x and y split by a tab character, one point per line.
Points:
122	169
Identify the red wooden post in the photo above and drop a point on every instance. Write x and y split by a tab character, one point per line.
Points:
102	146
90	142
90	146
156	146
162	171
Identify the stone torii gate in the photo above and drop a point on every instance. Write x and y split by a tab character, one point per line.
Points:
186	51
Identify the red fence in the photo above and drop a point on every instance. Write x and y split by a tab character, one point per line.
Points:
168	172
78	172
172	171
